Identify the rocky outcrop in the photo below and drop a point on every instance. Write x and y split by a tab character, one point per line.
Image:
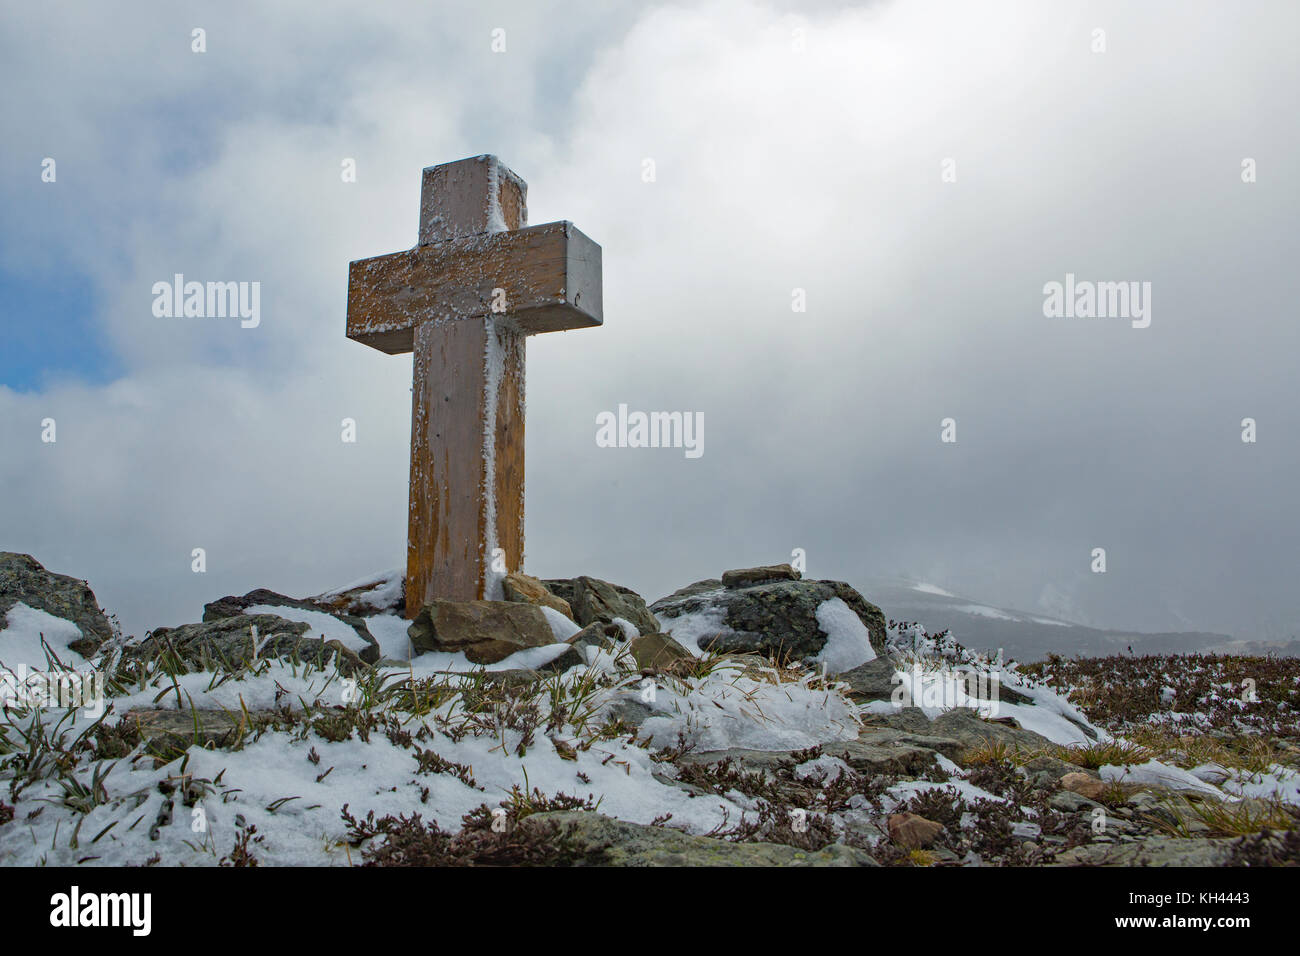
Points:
485	631
775	616
235	607
232	642
620	843
23	580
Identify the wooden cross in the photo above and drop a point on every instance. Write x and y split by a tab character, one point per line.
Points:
463	301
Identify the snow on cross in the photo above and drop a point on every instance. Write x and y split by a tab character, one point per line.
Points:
464	300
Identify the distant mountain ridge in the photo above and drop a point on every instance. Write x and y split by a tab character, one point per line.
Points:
1030	636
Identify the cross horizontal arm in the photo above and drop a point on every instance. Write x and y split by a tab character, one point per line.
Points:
550	274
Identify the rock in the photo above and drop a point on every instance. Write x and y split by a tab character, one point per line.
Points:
1152	851
966	725
873	680
900	755
229	641
961	726
908	719
628	710
1049	769
1067	801
744	577
381	594
604	636
233	607
572	657
486	631
169	732
633	844
659	652
1083	784
913	831
24	581
594	600
775	618
890	755
517	586
887	737
1212	773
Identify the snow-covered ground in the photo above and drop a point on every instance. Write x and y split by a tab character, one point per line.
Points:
359	745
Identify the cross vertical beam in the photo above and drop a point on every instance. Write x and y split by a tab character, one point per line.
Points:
467	408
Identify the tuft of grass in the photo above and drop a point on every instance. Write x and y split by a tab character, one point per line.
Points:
1098	755
1225	818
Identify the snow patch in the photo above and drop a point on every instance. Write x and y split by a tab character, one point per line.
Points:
20	638
561	626
321	624
848	642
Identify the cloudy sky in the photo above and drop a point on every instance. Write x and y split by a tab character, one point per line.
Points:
795	146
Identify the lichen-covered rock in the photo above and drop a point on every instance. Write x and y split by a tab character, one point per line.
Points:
23	580
1153	851
486	631
961	725
592	599
620	843
232	607
777	618
232	641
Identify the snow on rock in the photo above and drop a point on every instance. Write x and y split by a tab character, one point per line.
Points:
1282	783
380	592
20	638
826	769
848	642
322	625
689	629
629	629
561	626
1155	773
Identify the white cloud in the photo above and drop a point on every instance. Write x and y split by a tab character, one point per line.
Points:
775	170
